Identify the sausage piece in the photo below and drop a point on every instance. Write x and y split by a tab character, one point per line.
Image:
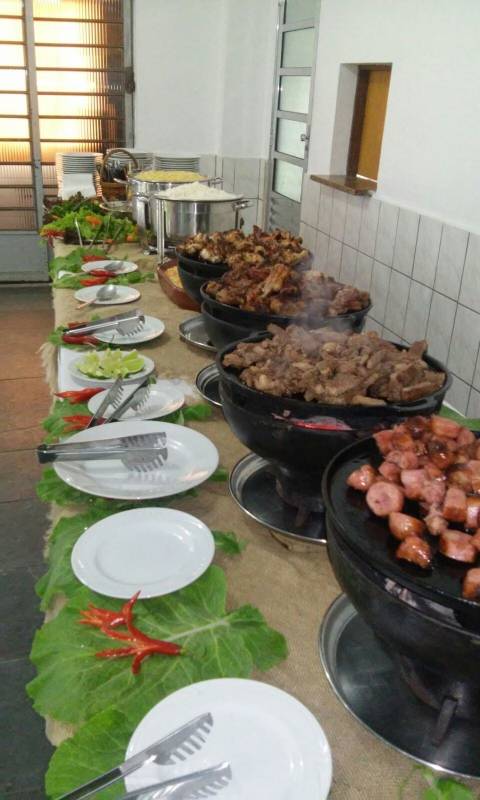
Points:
458	546
384	441
472	520
476	539
384	497
455	505
413	481
465	437
405	459
415	550
362	478
402	525
471	584
436	524
389	471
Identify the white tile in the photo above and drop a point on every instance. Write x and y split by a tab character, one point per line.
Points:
247	176
228	173
464	346
451	258
348	265
405	241
321	251
379	290
440	326
353	220
363	277
308	235
418	309
426	253
390	336
386	232
458	395
207	166
261	214
325	209
339	212
249	216
397	302
473	408
369	225
310	201
262	184
476	374
373	325
470	290
334	255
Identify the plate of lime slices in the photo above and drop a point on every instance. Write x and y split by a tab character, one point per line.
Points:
105	366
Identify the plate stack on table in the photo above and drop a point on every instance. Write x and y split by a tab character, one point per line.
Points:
293	589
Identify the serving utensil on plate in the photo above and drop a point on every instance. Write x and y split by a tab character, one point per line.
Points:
141	453
111	398
127	324
175	747
203	783
136	400
105	292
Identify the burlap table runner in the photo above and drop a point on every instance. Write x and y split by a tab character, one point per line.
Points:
292	587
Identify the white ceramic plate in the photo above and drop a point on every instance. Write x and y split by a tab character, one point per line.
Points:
164	398
127	266
276	748
151	330
192	458
125	294
154	550
148	367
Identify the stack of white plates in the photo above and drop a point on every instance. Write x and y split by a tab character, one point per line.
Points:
189	163
78	172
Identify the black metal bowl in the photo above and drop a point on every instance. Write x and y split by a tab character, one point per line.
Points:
300	454
219	332
201	268
256	321
191	283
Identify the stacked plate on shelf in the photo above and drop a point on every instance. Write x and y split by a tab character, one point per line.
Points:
77	172
189	163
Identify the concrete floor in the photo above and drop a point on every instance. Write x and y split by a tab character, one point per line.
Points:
25	320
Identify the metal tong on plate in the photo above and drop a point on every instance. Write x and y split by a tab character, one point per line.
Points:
137	399
126	324
142	453
204	783
175	747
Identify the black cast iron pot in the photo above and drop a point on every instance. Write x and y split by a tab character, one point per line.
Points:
430	630
256	321
221	333
194	273
300	454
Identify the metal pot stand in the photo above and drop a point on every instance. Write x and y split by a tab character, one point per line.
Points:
193	332
367	682
208	385
253	487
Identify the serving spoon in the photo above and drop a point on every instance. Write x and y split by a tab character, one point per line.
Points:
106	292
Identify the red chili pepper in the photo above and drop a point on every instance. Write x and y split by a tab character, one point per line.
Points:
70	338
77	422
100	273
72	325
93	281
140	645
86	258
79	395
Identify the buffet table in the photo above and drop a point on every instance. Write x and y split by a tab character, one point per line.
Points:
292	585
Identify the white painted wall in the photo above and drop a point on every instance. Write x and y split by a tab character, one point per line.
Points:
178	57
204	75
430	156
250	36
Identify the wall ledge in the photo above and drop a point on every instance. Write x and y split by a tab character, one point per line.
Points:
346	183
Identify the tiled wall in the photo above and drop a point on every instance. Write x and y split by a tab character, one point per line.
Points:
245	176
423	276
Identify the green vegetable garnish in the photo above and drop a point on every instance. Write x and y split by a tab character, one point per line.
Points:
111	364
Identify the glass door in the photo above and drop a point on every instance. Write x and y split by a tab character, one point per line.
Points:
65	85
295	59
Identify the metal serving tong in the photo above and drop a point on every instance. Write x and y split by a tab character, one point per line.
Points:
136	400
177	746
204	783
141	453
126	324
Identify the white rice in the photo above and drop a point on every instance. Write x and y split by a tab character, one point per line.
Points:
197	191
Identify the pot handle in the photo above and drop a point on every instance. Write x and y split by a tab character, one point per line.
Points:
215	182
237	206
